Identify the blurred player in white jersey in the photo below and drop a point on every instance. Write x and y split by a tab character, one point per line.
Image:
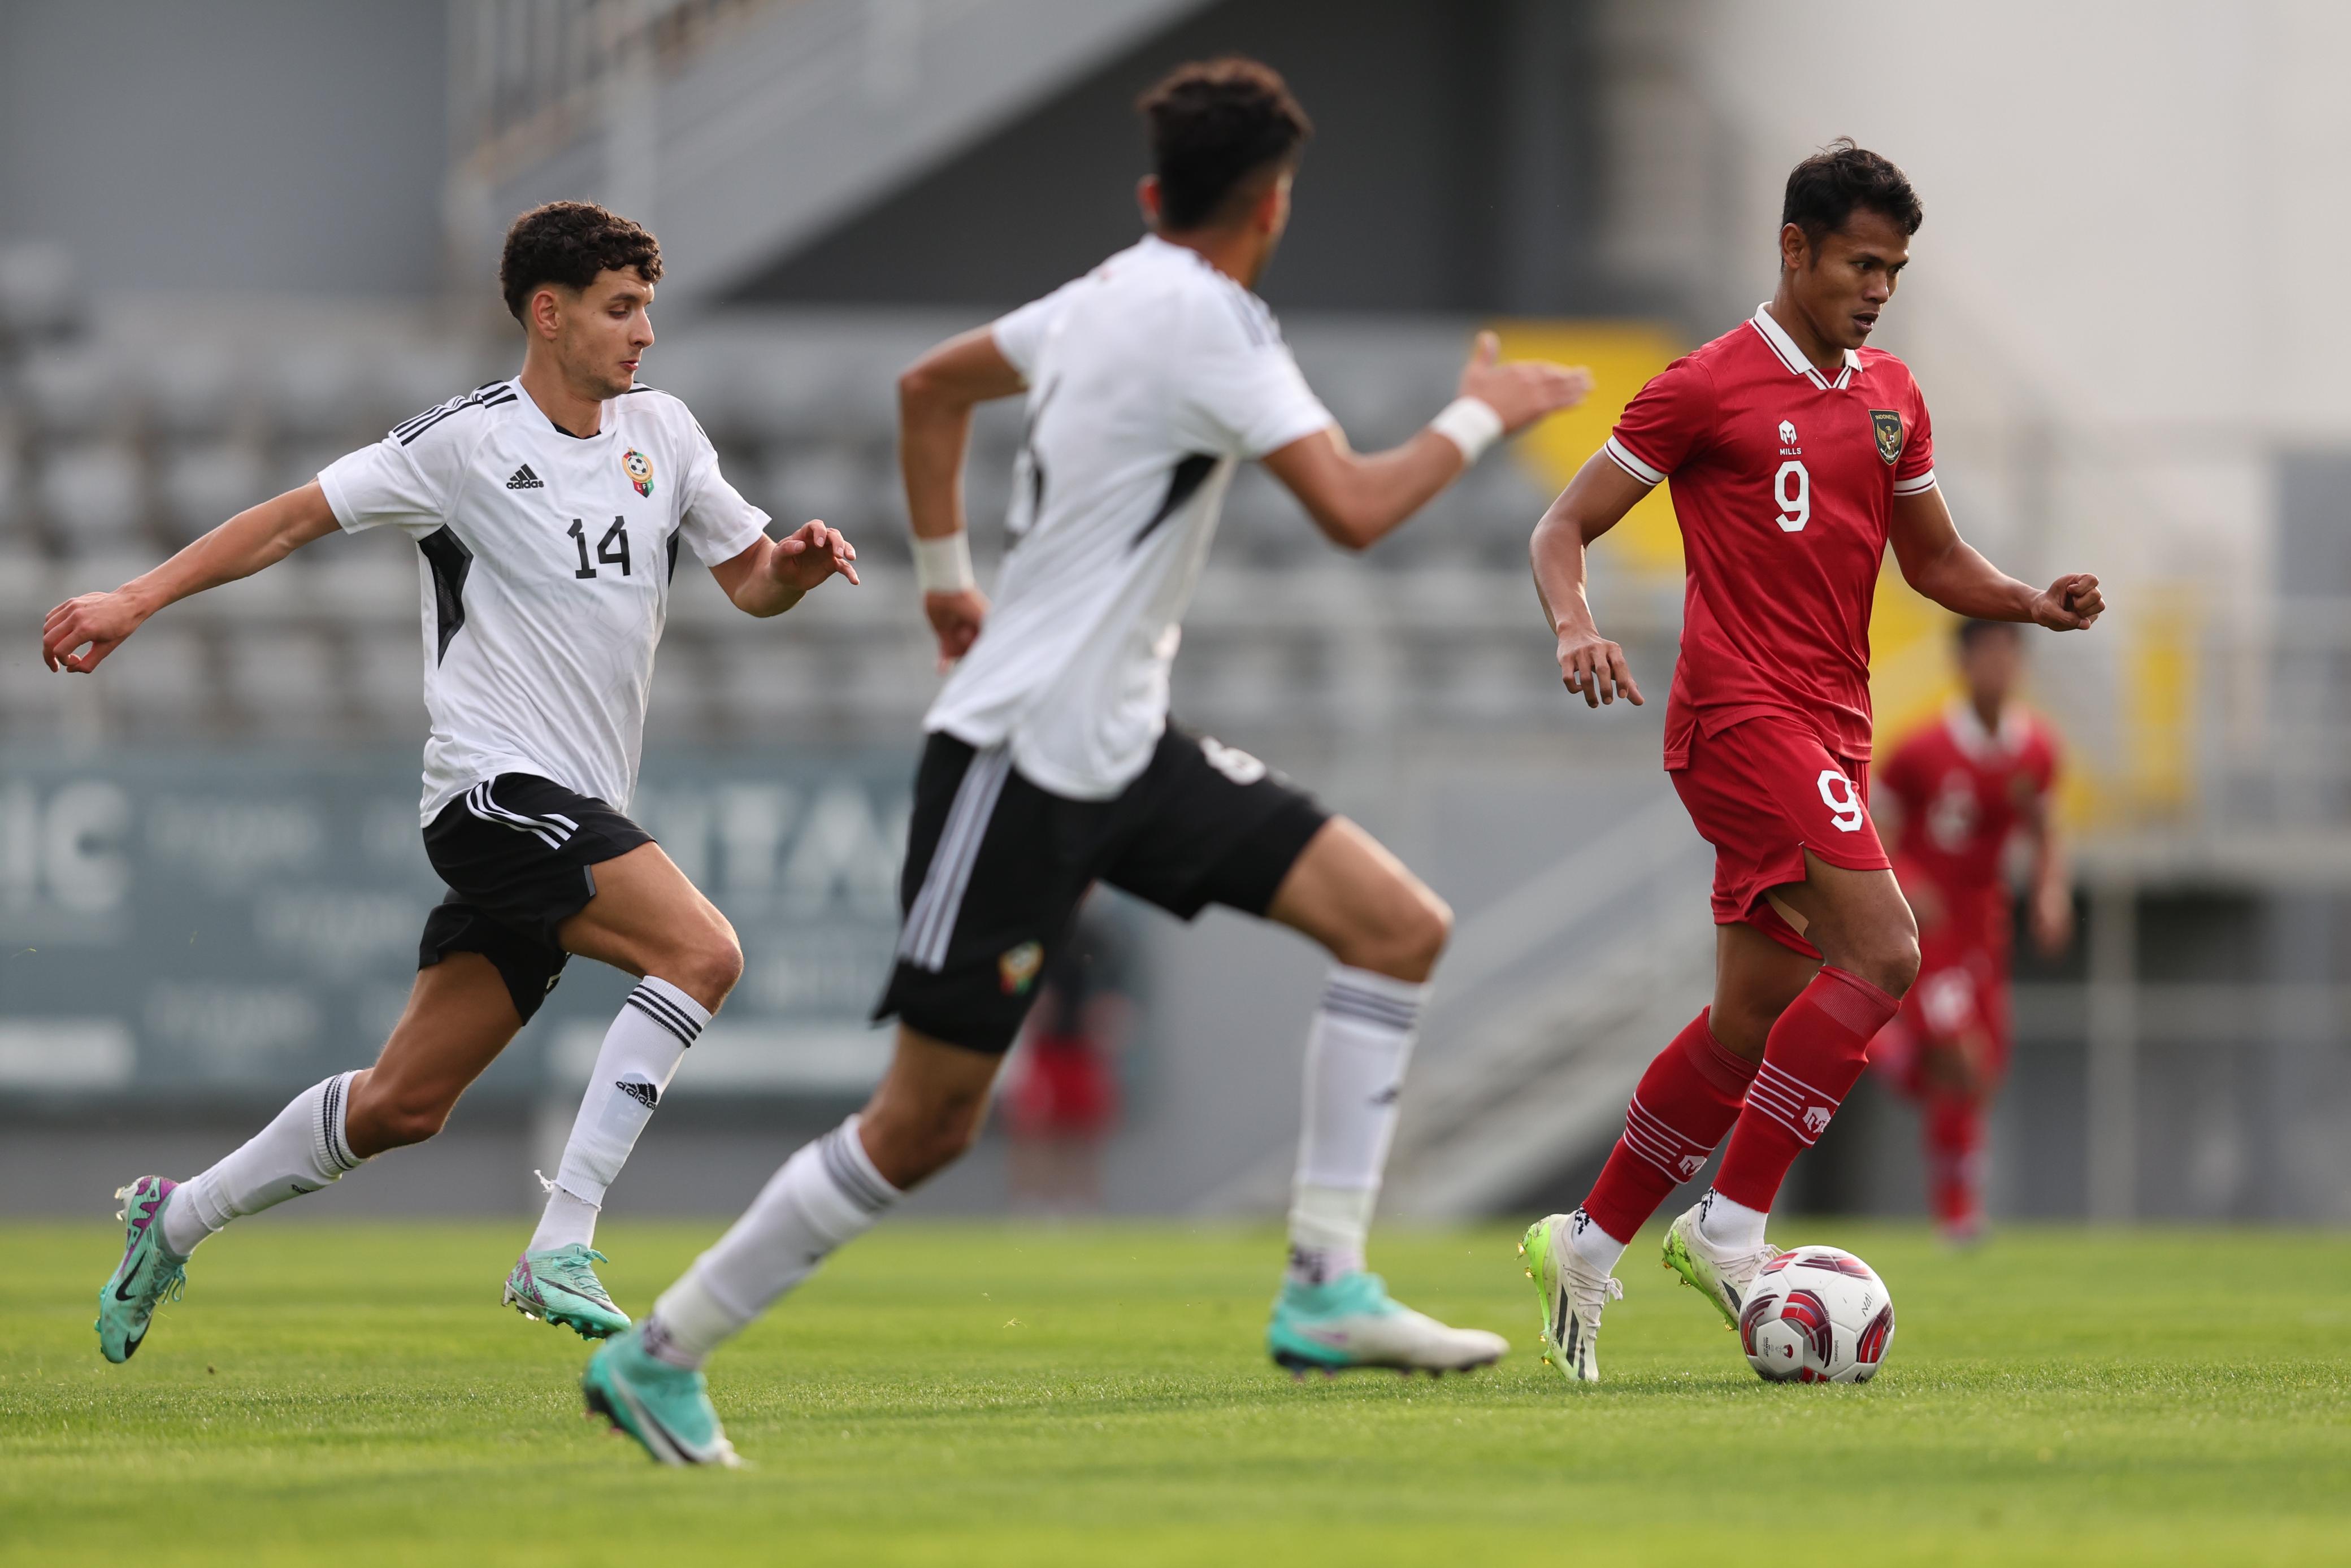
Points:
547	511
1049	762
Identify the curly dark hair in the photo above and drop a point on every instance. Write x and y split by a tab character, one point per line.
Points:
1824	190
1212	125
568	243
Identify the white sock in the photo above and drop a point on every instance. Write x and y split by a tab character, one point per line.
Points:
304	1149
641	1052
1729	1227
1593	1245
564	1220
1356	1050
827	1194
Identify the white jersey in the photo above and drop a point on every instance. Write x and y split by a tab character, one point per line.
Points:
1150	379
545	570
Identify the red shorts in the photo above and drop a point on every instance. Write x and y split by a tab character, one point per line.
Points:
1961	990
1067	1090
1762	792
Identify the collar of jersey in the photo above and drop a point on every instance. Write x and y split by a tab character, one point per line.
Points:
1793	358
532	404
1967	728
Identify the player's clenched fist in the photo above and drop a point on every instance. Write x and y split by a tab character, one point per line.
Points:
956	618
100	621
1523	390
1594	669
2071	604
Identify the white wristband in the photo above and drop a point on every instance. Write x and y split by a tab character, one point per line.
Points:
944	565
1471	425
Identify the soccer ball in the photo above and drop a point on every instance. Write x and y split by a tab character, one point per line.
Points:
1816	1315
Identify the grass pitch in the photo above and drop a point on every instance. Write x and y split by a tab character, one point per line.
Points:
973	1396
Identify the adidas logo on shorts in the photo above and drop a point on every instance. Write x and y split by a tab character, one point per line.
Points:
524	479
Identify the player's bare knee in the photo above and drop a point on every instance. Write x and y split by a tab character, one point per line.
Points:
909	1150
1429	929
1886	959
393	1118
708	969
1406	939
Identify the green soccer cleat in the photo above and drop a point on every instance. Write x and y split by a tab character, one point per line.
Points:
558	1285
149	1275
664	1408
1573	1296
1353	1321
1720	1277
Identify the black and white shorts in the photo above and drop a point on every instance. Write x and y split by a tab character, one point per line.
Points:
995	867
517	851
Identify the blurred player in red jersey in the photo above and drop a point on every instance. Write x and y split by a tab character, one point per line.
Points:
1964	789
1796	457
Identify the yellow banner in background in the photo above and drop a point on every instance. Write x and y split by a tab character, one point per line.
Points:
1622	357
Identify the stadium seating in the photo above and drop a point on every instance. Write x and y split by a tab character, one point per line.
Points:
111	458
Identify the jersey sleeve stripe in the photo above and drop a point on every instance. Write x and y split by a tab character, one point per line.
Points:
1917	485
1624	459
416	428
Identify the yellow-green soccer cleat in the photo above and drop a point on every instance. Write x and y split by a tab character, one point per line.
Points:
1572	1294
1719	1277
558	1284
149	1275
666	1408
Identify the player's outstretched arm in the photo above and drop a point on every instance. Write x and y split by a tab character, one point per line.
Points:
1358	500
773	575
936	397
258	536
1594	502
1947	570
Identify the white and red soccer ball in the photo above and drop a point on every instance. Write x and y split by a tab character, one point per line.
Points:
1817	1314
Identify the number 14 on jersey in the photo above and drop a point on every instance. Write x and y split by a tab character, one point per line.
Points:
612	549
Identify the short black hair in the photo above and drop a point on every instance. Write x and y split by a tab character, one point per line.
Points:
1212	125
1971	630
568	243
1824	190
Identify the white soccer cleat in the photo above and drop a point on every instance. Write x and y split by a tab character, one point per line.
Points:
1722	1277
1353	1321
1573	1294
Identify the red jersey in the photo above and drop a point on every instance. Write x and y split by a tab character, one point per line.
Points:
1964	791
1784	482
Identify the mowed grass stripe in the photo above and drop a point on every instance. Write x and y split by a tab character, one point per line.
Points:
977	1394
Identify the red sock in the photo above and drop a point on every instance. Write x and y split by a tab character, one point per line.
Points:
1687	1100
1811	1059
1954	1126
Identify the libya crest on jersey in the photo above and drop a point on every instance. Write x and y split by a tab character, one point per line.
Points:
640	469
1888	426
1018	969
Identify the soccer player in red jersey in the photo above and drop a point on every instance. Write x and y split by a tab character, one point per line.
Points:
1796	456
1964	789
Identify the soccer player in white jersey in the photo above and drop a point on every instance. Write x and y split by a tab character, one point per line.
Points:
1049	762
547	511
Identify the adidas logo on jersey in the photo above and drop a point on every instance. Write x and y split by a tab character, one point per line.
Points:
524	479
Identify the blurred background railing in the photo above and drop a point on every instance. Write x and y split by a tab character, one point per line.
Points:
208	881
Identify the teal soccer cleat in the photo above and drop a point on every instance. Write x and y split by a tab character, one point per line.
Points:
147	1276
559	1286
664	1408
1353	1321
